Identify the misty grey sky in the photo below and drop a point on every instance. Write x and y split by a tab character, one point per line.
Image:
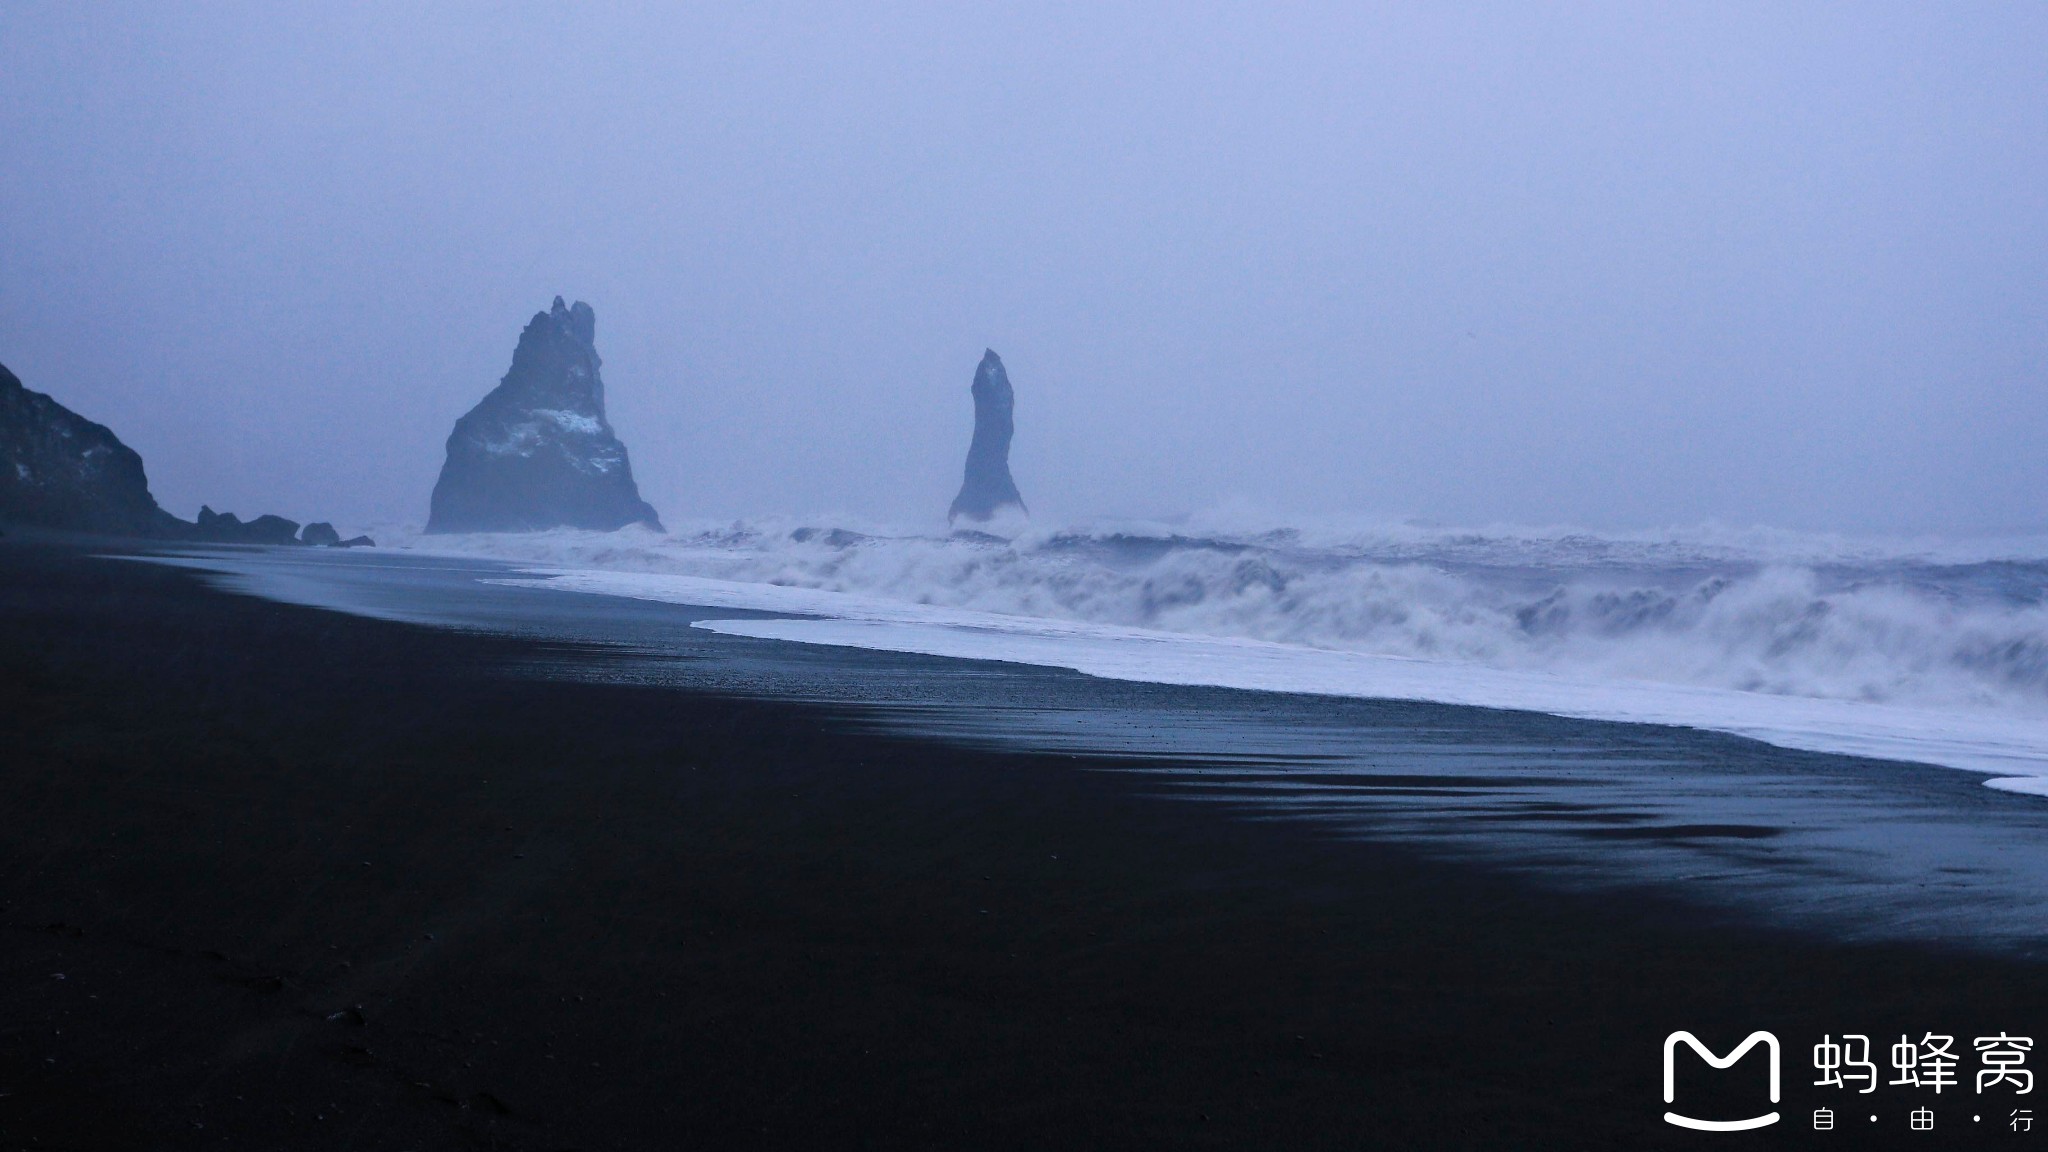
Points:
1621	265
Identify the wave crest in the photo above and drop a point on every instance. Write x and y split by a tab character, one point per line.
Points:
1795	616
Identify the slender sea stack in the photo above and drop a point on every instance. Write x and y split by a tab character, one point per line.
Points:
537	452
60	470
988	487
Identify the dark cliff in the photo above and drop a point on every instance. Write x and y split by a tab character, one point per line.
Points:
537	452
987	487
60	470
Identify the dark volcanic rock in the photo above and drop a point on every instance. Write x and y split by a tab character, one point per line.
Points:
227	528
988	486
60	470
537	452
321	534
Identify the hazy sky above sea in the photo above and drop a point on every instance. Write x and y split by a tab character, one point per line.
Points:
1611	265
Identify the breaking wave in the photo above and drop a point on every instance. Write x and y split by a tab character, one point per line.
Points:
1921	624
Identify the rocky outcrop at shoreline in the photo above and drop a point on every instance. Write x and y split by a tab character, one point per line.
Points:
59	470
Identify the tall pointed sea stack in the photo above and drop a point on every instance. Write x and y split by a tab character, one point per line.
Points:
537	452
988	487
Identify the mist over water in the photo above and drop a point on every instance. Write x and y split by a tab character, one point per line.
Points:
1613	265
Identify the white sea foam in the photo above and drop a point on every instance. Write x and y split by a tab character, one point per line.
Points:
1923	650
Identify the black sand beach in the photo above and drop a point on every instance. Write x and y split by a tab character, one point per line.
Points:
280	878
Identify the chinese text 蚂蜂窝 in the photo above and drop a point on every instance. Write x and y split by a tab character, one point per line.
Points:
1929	1062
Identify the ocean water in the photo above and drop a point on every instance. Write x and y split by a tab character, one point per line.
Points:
1817	801
1928	651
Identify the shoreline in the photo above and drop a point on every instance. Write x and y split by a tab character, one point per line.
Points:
548	914
1845	848
949	606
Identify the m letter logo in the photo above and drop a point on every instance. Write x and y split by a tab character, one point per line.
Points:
1671	1044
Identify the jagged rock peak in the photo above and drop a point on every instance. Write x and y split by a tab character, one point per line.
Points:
537	451
581	320
987	487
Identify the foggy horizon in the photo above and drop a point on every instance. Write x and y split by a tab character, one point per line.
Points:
1600	267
